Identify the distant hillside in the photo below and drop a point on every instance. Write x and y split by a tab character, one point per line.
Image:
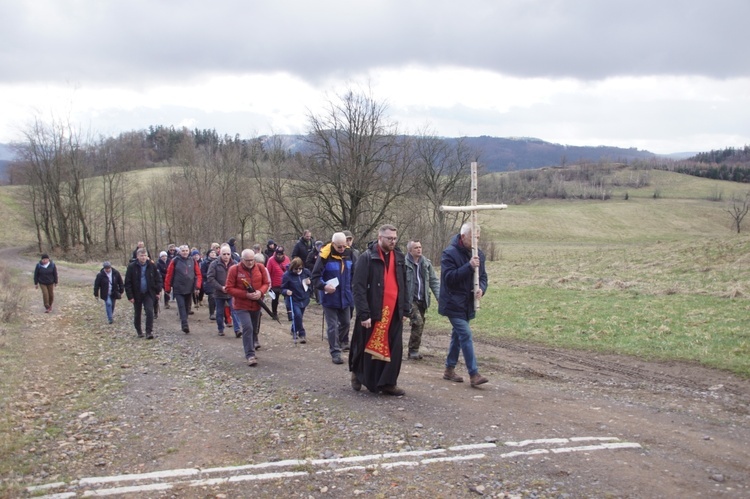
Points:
499	154
507	154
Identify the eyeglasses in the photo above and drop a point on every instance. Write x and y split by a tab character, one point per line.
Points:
389	238
227	254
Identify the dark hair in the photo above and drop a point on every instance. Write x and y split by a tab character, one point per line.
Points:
296	264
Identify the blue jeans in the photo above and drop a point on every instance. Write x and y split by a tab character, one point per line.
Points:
109	305
461	341
297	314
221	303
337	320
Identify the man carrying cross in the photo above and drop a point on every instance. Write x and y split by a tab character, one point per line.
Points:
457	297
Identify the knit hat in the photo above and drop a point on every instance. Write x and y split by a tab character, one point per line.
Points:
163	253
195	252
106	265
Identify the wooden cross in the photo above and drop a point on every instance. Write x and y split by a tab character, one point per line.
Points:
473	208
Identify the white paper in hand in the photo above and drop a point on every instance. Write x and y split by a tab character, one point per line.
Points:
272	294
333	282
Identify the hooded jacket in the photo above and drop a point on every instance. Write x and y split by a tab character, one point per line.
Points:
329	265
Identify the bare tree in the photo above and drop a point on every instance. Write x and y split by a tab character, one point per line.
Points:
738	209
358	165
443	178
56	164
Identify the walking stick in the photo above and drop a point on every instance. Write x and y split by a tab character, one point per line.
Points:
294	329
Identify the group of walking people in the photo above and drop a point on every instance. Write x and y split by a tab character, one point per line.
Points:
376	290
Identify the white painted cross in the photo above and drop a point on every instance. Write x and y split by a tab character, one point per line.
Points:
473	208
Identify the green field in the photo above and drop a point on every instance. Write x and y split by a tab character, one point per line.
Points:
658	278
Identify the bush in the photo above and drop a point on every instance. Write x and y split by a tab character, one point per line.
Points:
11	296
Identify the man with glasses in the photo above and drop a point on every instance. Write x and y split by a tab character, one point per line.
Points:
332	275
382	300
248	282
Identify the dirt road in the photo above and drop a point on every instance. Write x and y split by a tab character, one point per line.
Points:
551	423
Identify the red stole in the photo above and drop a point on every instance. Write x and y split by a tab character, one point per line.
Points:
378	345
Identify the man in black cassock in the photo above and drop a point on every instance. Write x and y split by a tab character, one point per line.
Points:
381	301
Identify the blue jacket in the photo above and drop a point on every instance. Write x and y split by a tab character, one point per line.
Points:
457	281
292	281
329	265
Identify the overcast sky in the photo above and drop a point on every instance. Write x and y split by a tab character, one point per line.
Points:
666	76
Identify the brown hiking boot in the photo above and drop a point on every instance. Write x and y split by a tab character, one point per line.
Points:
392	390
478	379
450	375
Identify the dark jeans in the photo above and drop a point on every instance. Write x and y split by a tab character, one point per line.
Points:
249	321
275	300
143	302
220	304
183	306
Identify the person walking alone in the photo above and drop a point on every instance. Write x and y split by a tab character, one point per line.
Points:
45	277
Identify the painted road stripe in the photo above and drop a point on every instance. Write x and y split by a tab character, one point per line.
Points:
165	480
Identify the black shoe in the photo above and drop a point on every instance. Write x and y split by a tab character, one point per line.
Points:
190	312
221	333
257	346
345	347
337	359
140	335
149	336
356	385
185	329
238	334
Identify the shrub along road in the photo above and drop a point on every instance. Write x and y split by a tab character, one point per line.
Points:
183	415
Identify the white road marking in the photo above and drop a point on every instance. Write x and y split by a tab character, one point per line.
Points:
167	479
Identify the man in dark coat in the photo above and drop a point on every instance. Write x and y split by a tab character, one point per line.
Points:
303	247
109	287
143	286
45	276
381	299
456	301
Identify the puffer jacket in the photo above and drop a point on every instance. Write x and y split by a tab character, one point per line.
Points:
237	279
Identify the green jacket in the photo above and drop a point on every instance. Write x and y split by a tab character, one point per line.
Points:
426	275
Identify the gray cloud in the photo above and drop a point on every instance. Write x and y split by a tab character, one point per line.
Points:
143	41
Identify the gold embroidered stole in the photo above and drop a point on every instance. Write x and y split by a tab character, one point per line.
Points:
378	345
